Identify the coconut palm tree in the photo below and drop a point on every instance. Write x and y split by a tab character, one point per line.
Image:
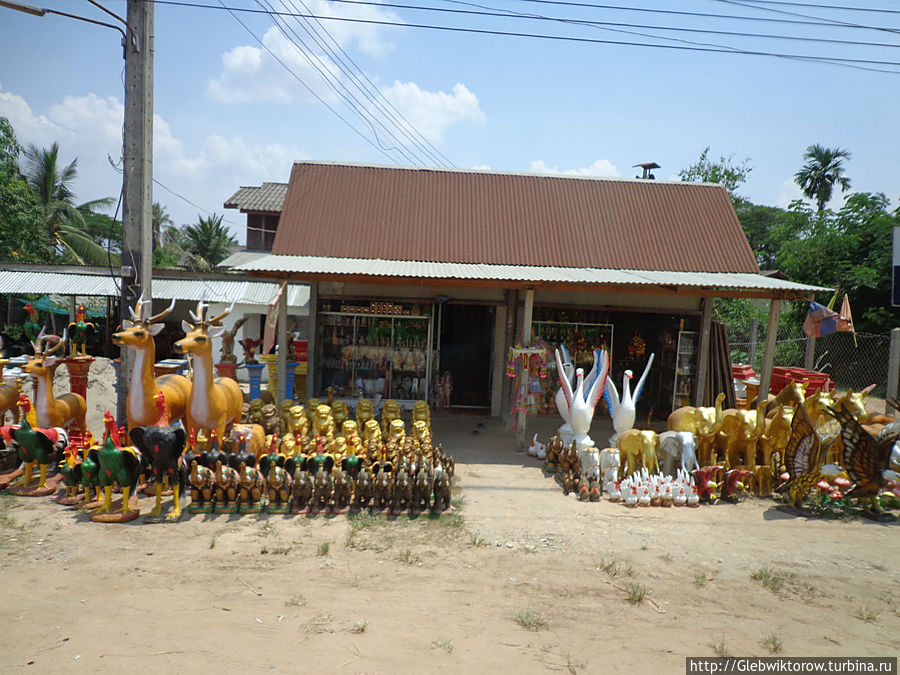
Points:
823	170
63	220
161	219
209	242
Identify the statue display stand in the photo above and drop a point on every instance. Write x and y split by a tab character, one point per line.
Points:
226	370
271	360
300	382
32	489
290	370
116	515
78	367
254	374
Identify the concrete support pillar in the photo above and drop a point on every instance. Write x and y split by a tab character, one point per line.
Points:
809	357
313	336
284	348
893	367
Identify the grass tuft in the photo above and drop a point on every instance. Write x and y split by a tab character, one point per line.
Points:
529	619
360	627
635	593
323	548
444	643
770	579
772	643
720	648
867	614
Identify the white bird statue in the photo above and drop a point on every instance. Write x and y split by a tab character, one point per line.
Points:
568	371
623	411
580	404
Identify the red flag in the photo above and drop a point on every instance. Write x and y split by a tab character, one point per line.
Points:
272	320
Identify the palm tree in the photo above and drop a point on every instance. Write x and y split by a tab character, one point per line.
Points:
63	220
161	219
823	170
209	242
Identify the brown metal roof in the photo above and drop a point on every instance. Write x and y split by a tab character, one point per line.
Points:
348	211
267	198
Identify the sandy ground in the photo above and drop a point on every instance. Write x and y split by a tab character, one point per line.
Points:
520	578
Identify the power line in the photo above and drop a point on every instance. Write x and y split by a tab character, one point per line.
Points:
570	38
374	94
818	6
833	22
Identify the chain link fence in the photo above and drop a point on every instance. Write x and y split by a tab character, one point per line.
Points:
852	361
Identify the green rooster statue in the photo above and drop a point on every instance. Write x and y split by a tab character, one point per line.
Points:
80	331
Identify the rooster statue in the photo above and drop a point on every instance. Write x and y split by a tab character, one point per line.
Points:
40	446
31	328
623	410
163	444
120	465
80	331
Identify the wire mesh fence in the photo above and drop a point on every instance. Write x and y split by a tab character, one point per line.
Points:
853	361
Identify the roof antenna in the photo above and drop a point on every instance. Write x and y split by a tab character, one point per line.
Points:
646	166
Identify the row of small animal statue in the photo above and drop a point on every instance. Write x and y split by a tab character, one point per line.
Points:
225	483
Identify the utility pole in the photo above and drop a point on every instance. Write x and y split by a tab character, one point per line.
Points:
137	199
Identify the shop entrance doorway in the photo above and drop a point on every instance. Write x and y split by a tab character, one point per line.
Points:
466	336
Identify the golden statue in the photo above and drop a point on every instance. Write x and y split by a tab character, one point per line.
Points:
389	411
365	411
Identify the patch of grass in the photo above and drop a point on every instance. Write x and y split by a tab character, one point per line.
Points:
529	619
296	601
360	627
876	566
319	624
444	643
635	593
644	547
628	570
212	542
409	557
281	550
458	501
266	530
772	643
610	567
360	520
867	614
699	580
770	579
720	648
323	548
667	557
476	539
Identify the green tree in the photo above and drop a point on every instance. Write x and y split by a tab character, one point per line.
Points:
161	220
823	170
725	171
20	239
209	242
63	220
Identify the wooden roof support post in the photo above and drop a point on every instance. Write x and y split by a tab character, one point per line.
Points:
313	335
283	348
526	317
893	368
765	375
703	350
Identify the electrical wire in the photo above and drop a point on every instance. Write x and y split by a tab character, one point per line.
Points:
818	6
862	63
834	22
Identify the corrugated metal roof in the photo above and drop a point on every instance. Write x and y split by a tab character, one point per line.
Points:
334	210
267	198
239	258
522	273
211	290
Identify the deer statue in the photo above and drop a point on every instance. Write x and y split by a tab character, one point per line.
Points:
51	411
9	393
214	403
138	334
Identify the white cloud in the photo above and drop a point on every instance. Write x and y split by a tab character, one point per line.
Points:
601	168
90	128
789	192
253	75
433	112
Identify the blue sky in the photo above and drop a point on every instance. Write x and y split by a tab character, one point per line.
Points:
227	114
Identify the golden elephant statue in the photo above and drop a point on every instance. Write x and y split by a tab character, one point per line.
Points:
703	423
637	449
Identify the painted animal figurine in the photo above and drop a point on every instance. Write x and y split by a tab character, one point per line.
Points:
580	403
365	411
301	496
163	446
214	403
441	490
381	496
68	409
623	411
278	489
680	447
120	465
705	485
323	485
252	486
202	484
227	487
704	423
401	493
421	498
867	461
137	335
80	331
70	468
342	491
364	489
38	446
390	411
734	480
568	372
9	393
637	449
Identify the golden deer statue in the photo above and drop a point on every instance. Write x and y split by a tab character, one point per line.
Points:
138	334
9	394
51	411
214	403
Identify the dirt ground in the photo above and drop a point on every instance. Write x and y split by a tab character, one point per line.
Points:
520	578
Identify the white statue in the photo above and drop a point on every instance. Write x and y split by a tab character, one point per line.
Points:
566	434
623	411
580	404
